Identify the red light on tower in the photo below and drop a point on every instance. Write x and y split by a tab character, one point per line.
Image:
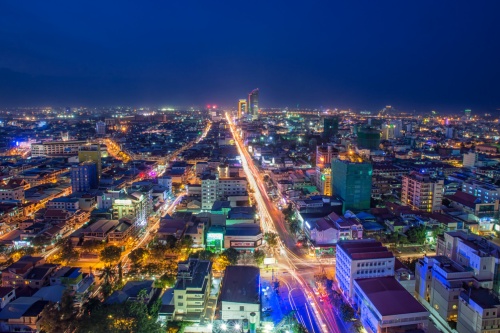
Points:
208	106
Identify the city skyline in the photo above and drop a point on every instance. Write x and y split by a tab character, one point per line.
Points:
361	56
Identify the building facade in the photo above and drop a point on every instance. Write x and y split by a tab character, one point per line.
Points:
358	259
352	181
84	177
420	191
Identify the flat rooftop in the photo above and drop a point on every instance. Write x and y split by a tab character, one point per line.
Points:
389	297
241	284
364	249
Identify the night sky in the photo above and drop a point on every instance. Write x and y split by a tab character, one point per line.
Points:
415	55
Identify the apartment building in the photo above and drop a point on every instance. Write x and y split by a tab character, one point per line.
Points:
485	192
357	259
438	284
192	289
420	191
214	188
13	190
134	206
478	311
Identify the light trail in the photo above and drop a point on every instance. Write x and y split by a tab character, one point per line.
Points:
271	225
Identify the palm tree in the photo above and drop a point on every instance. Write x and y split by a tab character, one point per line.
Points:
108	273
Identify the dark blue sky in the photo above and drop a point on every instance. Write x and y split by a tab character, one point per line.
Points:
421	55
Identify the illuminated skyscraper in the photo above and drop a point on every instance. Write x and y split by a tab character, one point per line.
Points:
330	127
91	152
100	128
468	114
253	103
242	107
84	176
352	181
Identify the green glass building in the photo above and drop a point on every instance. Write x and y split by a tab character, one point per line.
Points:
352	181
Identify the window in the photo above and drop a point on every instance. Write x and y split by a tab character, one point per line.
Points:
242	308
180	304
180	297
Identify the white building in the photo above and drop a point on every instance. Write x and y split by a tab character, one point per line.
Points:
358	259
214	188
421	192
240	294
72	204
133	206
486	192
13	190
209	184
470	159
56	148
386	306
100	128
478	312
166	181
192	289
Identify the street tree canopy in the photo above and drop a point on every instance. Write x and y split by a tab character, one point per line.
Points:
110	254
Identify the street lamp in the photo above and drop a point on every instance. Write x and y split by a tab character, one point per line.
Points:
223	327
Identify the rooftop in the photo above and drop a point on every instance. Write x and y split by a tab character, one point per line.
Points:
364	249
389	297
241	284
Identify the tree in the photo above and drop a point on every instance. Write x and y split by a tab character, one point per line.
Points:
186	242
131	316
259	256
232	255
346	312
439	230
68	252
108	274
417	235
171	241
92	246
58	317
139	256
220	263
41	241
294	226
271	239
110	254
206	255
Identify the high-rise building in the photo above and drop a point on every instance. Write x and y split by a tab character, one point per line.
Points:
242	107
192	289
330	127
84	176
324	182
352	181
470	159
388	132
253	104
422	192
91	152
100	128
209	187
468	113
368	138
325	154
398	128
